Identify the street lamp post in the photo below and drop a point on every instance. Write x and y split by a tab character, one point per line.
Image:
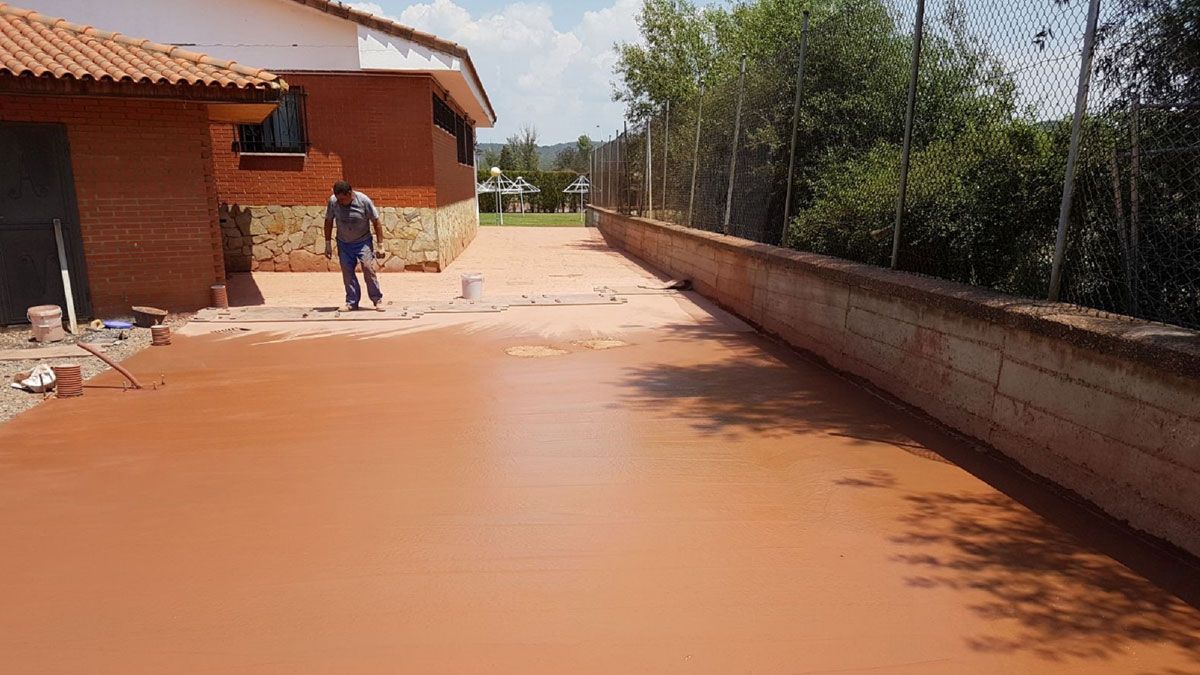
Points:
496	176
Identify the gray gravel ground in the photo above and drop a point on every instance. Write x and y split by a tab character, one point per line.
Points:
14	402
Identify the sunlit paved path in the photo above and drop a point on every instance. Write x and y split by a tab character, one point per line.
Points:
681	497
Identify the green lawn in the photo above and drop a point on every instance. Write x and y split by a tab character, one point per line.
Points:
533	219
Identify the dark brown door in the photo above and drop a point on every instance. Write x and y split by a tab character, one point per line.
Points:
36	188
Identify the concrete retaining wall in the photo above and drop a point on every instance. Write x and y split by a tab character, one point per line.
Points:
1108	407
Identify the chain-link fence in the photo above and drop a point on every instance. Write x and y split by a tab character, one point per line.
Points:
935	136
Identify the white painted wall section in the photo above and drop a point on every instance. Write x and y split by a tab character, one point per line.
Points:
279	35
383	52
271	34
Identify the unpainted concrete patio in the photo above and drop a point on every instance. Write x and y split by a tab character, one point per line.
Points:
682	495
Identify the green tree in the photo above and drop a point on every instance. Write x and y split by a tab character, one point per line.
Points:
520	152
576	157
982	193
584	145
675	52
508	157
1152	47
567	159
491	157
1148	75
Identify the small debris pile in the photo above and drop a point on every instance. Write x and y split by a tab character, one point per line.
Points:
20	355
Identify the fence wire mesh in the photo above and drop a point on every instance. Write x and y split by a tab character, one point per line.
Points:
1138	249
996	87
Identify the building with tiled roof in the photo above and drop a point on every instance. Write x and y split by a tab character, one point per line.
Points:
391	109
106	137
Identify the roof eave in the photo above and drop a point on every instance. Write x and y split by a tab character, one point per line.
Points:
67	86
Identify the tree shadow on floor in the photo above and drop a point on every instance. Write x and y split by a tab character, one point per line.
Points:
873	479
732	383
593	246
1061	581
1065	599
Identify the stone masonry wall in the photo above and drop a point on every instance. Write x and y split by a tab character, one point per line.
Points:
1105	406
457	225
278	238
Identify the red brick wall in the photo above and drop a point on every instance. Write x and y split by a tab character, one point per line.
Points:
372	130
455	182
147	199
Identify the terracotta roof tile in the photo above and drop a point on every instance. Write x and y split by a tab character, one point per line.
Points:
35	45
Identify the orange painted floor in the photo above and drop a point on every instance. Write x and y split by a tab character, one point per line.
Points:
414	499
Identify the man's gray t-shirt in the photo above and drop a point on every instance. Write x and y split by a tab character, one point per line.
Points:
353	220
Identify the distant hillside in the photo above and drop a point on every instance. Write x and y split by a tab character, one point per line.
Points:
546	153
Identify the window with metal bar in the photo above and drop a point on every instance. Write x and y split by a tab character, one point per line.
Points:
460	137
443	114
284	132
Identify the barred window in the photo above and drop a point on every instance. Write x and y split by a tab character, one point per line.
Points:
284	131
463	131
466	144
460	136
443	115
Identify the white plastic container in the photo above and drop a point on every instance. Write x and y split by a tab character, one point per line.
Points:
47	323
472	286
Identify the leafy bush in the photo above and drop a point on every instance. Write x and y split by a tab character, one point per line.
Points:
981	207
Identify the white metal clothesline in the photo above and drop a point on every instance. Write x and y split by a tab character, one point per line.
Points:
582	186
524	188
503	185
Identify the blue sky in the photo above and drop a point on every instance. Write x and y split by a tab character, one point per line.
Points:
544	62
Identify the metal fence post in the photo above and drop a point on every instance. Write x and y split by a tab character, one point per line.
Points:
666	153
609	189
614	187
1081	100
627	203
696	155
649	171
1135	199
737	130
787	201
910	118
602	175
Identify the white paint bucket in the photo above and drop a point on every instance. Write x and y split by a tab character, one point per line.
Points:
472	286
47	323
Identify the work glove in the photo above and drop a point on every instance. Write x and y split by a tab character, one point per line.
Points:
329	250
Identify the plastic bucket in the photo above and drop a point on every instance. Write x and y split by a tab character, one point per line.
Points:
47	323
472	286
